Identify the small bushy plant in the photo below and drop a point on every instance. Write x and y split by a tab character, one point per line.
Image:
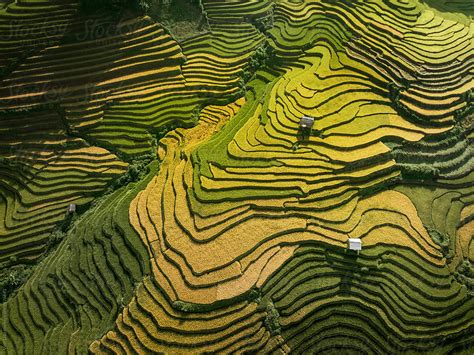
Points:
55	238
272	319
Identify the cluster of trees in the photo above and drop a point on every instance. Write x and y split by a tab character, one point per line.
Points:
465	276
272	319
262	56
13	279
442	239
136	171
419	171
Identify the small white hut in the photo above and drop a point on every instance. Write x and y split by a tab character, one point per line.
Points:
71	209
307	123
354	244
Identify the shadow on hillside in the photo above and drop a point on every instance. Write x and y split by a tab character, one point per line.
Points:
351	267
465	7
183	18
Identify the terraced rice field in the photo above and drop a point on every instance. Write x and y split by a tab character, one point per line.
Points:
207	222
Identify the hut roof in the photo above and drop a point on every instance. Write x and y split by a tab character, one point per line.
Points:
354	244
306	122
